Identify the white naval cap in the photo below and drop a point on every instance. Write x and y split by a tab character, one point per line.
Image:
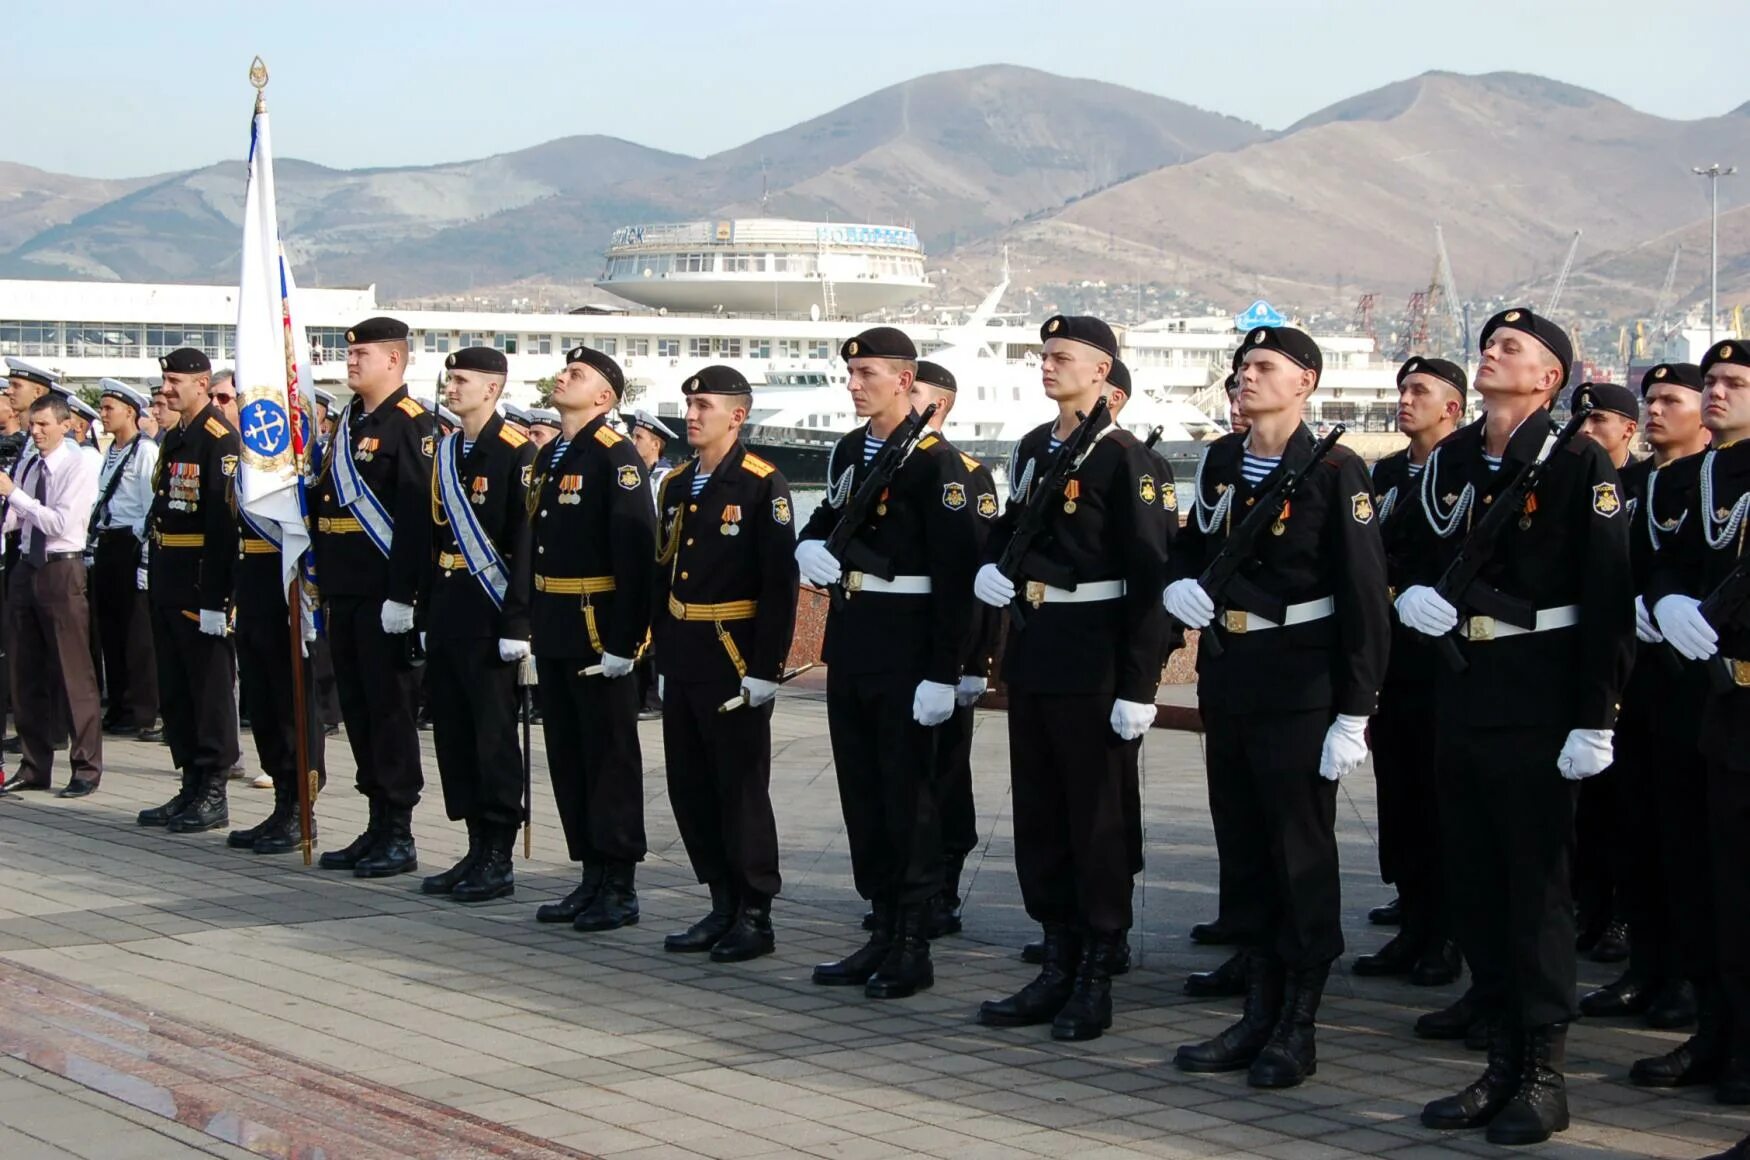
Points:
543	417
644	419
116	389
17	368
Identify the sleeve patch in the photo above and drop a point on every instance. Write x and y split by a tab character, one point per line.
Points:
216	428
607	436
628	477
1361	507
228	465
1170	496
1145	487
987	506
756	465
528	475
1605	501
411	408
428	446
512	436
781	510
953	496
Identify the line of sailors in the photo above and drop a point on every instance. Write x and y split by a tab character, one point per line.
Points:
484	547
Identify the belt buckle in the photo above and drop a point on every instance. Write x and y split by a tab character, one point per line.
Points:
1740	673
853	582
1035	593
1479	628
1235	621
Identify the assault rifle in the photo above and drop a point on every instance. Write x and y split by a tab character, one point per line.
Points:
863	501
1457	585
1241	544
1722	608
1030	530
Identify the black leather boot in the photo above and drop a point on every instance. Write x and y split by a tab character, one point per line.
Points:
1033	953
445	882
353	852
568	908
945	907
1734	1085
750	935
1397	957
208	810
1539	1107
394	852
161	815
1479	1102
1390	914
1613	945
1452	1022
1117	954
1225	980
855	968
283	832
494	872
1292	1054
1213	934
1674	1005
906	969
245	839
1040	1000
615	904
1088	1011
1235	1048
1631	993
703	935
1699	1059
1439	964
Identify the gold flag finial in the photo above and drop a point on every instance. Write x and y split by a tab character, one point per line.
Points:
258	78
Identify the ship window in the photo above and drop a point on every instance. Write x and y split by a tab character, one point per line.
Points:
819	348
760	348
103	340
780	263
668	348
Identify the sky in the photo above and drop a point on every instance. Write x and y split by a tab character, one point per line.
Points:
108	89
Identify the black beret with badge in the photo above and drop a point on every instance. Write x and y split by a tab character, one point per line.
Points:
1119	376
938	376
1445	370
185	360
1527	321
1676	374
603	364
1293	344
377	329
715	380
1083	328
1612	397
880	342
1730	351
484	359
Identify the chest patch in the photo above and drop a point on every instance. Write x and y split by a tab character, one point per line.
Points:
628	478
953	496
1605	501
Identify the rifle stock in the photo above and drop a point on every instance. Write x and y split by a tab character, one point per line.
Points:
1029	531
882	469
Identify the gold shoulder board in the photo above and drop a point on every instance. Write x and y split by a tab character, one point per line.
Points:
512	436
411	407
607	436
927	442
971	463
758	466
216	428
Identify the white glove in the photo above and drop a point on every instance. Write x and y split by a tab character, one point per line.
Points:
1586	752
992	587
817	565
212	623
140	579
661	687
1645	629
1345	746
933	703
1188	604
1679	618
1131	719
969	690
509	650
758	692
1424	610
397	617
613	666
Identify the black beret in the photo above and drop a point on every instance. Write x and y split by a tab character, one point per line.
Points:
1239	358
1119	376
937	375
1081	328
1231	383
879	342
1612	397
714	380
1445	370
604	364
377	330
1678	374
1525	320
1729	351
484	359
185	361
1296	345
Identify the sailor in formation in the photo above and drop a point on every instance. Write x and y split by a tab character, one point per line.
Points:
118	529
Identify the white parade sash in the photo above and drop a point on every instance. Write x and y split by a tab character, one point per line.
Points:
484	563
352	490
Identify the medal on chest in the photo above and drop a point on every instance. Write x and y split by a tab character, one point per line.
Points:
881	504
731	520
1527	512
570	487
367	449
1280	527
183	487
1072	491
477	490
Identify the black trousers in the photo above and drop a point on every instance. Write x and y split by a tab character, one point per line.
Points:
1227	875
886	765
719	783
959	817
1668	887
377	691
1281	890
264	675
591	728
1072	848
1402	736
197	675
474	729
1507	834
327	703
124	630
1599	881
1728	840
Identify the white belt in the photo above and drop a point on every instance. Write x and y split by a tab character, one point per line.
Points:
1236	621
1478	628
1038	592
898	586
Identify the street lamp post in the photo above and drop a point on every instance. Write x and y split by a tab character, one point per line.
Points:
1713	173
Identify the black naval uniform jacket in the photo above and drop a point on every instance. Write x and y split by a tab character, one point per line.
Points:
192	527
392	448
1412	654
1671	698
1685	563
260	593
923	528
593	519
987	622
1569	548
496	477
1107	523
1328	546
735	542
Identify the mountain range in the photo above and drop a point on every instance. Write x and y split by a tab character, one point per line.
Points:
1070	179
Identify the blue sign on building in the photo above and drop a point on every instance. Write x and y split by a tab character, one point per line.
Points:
1259	313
